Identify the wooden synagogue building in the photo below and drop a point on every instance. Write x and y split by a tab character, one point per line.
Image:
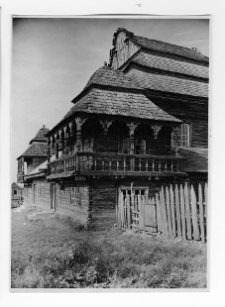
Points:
140	122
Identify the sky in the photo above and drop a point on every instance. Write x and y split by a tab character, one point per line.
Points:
53	58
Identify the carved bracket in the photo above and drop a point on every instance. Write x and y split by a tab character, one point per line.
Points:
79	122
156	129
106	124
132	126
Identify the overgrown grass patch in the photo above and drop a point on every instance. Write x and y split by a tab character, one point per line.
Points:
54	253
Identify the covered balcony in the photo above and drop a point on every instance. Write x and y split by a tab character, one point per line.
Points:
97	146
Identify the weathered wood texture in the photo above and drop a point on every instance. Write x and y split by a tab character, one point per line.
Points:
102	205
40	196
191	111
124	49
73	201
189	219
137	208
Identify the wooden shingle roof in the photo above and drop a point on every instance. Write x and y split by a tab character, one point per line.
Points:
40	136
110	77
171	65
168	84
35	150
163	47
16	186
112	102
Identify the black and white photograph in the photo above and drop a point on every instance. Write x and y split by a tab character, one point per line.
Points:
109	153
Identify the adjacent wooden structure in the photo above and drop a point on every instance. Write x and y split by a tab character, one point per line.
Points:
139	123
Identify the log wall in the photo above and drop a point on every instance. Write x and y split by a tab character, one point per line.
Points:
73	201
103	199
42	194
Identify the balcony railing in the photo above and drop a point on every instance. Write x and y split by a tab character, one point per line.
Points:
112	163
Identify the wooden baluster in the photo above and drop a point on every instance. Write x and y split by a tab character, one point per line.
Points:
146	165
110	164
153	165
178	166
95	163
140	164
117	165
159	165
103	164
171	166
166	166
124	164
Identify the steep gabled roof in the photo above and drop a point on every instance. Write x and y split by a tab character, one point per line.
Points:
40	136
171	65
169	84
35	150
155	45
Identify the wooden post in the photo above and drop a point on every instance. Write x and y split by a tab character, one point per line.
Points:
187	209
182	212
206	205
177	211
172	210
141	213
163	208
128	211
201	213
168	211
159	221
194	214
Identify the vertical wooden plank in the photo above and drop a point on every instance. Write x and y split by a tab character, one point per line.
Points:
194	214
177	211
128	211
182	212
201	213
141	218
163	206
122	210
172	210
206	206
168	211
125	213
187	211
160	221
119	209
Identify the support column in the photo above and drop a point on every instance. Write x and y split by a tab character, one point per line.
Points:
176	137
79	122
49	150
132	126
56	147
63	141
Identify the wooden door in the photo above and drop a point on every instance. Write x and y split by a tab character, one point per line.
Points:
130	207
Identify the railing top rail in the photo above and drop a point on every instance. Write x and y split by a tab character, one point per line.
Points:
116	155
110	154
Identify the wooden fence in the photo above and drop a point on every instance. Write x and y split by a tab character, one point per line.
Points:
182	211
177	211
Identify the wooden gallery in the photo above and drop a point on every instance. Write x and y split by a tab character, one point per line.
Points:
141	122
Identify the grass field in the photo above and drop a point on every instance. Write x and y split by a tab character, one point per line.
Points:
56	253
